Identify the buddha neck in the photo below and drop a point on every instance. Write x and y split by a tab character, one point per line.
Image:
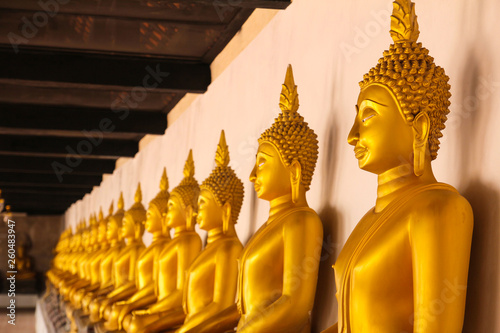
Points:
280	205
113	242
132	241
179	230
218	233
392	183
214	234
158	235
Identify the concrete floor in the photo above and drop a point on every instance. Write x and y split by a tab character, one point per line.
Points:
25	322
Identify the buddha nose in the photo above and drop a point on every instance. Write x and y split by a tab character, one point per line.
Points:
253	175
353	136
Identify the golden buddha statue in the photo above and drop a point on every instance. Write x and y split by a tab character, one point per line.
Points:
79	261
404	267
113	225
279	264
145	272
111	278
61	252
131	230
212	278
23	261
102	246
62	269
174	260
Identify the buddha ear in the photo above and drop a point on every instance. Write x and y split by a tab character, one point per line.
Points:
226	217
421	129
137	229
295	179
190	217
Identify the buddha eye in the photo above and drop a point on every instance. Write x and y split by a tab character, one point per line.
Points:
261	164
369	117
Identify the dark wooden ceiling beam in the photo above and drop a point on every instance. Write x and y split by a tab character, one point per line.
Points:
134	8
104	70
36	178
49	165
43	192
46	186
81	120
38	207
11	198
75	148
267	4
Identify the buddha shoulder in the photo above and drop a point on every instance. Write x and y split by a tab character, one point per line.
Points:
229	245
303	220
442	206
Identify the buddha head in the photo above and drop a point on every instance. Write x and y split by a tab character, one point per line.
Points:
115	222
221	195
103	225
134	218
76	240
158	207
403	103
288	150
85	238
182	204
93	230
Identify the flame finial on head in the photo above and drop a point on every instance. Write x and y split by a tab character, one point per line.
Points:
164	180
189	166
138	193
404	23
222	154
289	98
111	208
120	204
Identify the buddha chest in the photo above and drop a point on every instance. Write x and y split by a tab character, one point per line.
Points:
201	280
374	276
262	268
145	264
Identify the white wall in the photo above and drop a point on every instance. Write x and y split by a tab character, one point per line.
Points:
331	44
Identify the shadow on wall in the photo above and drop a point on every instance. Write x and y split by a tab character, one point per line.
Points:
482	304
325	305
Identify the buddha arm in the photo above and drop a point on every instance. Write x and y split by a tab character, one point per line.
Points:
290	312
144	292
223	321
441	239
186	253
226	276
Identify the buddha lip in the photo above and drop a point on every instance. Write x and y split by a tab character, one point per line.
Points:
360	152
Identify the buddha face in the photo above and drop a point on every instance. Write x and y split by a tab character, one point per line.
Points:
94	234
128	227
176	215
112	230
101	237
270	176
209	211
381	137
153	219
85	238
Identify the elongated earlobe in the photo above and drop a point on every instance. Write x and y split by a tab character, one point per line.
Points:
190	218
420	142
226	217
295	178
